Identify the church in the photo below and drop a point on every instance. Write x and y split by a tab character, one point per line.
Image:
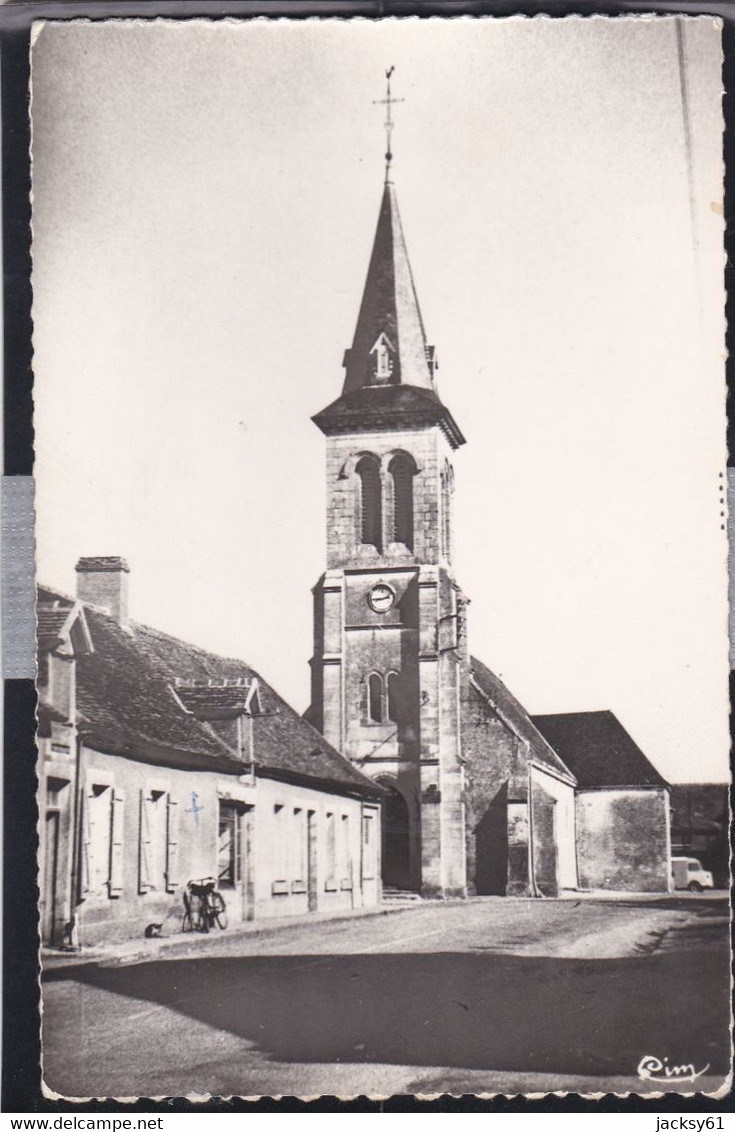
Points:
481	798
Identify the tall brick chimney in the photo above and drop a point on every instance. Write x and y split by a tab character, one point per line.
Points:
104	582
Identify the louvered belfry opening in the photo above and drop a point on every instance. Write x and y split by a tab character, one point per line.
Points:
371	511
402	473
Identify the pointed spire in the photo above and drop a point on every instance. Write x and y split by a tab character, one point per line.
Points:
389	347
389	378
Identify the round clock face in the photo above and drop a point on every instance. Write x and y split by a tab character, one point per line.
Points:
381	598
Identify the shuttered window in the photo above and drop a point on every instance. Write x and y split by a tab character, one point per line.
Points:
117	858
298	846
228	845
371	511
402	472
97	839
153	848
369	848
331	851
172	845
345	856
144	848
280	845
86	862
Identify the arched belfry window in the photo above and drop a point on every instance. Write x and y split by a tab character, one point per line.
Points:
375	697
402	470
371	511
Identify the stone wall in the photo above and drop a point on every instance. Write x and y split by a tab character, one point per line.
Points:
554	828
500	816
623	839
493	757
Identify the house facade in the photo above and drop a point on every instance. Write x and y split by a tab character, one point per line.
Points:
161	763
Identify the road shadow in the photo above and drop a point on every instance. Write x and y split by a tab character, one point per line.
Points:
511	1013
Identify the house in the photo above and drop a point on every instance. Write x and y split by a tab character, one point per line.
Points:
160	763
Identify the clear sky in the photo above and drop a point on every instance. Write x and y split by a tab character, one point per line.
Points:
205	198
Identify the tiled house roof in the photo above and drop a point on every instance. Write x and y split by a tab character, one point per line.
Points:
598	749
485	683
126	706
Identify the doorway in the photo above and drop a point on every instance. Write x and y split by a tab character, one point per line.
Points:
396	844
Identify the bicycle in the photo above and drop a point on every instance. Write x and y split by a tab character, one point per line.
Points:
204	906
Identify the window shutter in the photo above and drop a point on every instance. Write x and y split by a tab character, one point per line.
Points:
87	826
172	845
116	850
145	844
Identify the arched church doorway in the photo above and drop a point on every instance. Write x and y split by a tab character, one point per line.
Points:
395	839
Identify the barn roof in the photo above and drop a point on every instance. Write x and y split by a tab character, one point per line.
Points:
598	749
127	705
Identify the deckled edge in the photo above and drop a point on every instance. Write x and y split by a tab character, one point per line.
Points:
245	19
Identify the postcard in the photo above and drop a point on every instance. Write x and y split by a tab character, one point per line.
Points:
381	482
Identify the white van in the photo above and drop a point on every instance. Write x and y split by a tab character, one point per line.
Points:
687	872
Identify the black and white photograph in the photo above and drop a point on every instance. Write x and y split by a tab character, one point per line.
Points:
382	557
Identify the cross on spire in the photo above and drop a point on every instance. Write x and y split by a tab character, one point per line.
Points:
388	102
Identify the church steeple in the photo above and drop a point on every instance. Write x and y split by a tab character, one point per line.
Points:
389	369
389	656
389	347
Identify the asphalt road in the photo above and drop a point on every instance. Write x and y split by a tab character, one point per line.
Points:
488	996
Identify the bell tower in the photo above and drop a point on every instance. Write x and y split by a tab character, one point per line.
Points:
389	642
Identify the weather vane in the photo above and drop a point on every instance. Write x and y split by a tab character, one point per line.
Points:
388	102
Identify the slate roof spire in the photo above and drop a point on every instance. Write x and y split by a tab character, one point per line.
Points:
389	346
389	368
